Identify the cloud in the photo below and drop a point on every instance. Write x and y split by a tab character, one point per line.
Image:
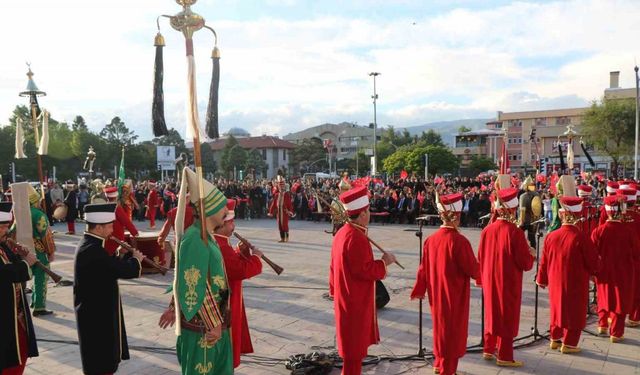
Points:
282	73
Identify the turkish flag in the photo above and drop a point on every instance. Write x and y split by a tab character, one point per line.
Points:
404	174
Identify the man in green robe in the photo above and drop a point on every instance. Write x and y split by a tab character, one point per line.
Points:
44	253
202	292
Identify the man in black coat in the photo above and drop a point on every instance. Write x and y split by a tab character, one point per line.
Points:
101	330
17	337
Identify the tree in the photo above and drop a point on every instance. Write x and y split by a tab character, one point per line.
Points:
256	163
431	137
463	129
411	159
480	164
610	127
79	124
310	156
117	134
173	138
233	156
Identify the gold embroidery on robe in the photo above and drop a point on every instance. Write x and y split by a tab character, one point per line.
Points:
191	277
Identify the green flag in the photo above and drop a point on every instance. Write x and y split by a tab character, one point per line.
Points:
121	176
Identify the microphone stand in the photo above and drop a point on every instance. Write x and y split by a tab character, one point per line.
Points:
421	350
535	333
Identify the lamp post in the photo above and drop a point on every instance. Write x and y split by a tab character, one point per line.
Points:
33	92
375	122
635	166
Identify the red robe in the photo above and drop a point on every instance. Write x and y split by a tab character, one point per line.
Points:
504	255
171	220
280	207
447	264
122	222
238	268
569	259
618	251
352	276
152	203
591	221
603	215
634	314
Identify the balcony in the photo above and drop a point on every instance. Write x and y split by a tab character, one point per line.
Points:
472	150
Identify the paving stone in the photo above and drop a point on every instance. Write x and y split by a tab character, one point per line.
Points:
289	315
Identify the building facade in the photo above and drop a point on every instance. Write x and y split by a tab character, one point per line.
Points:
532	133
346	138
274	150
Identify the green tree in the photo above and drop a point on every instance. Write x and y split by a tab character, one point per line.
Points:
308	156
79	124
233	156
255	163
209	165
480	164
411	159
463	129
610	127
173	138
117	134
431	137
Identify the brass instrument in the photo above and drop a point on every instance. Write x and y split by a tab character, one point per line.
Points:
278	270
22	251
145	260
343	216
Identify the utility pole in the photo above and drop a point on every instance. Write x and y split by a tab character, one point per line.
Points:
375	123
635	159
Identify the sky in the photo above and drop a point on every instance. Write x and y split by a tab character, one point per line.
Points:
290	64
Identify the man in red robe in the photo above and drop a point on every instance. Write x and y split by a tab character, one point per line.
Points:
447	265
282	208
618	251
589	212
634	315
352	276
569	259
122	222
612	189
170	224
152	203
240	263
504	255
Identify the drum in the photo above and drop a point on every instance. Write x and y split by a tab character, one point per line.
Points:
60	212
147	243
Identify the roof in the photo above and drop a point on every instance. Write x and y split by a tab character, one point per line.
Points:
504	116
481	132
264	141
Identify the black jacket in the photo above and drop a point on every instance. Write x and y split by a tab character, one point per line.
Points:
101	331
13	273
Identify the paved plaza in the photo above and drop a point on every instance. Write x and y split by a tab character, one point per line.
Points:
289	315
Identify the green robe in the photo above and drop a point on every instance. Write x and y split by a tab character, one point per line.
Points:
200	265
40	226
555	218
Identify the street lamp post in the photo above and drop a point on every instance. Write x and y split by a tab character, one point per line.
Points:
635	169
375	122
33	92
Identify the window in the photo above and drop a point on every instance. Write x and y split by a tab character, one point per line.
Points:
541	122
515	123
515	140
563	120
515	157
264	154
284	154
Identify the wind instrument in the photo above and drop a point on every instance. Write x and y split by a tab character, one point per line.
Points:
343	216
145	260
22	251
278	270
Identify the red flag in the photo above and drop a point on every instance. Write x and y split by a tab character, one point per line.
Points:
504	158
404	174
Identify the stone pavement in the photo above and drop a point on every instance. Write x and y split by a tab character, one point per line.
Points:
288	314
